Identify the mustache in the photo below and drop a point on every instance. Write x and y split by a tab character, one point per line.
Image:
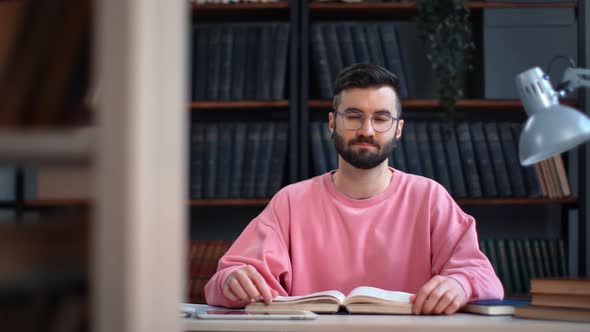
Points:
362	139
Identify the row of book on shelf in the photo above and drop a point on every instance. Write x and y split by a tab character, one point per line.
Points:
517	261
471	159
335	46
239	61
203	258
237	160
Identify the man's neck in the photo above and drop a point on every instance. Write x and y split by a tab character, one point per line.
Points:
362	183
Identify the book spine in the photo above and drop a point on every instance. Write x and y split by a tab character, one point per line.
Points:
468	157
497	157
361	49
411	149
392	52
211	137
266	146
317	150
424	150
524	266
345	41
328	31
224	154
264	66
196	159
202	57
227	41
517	279
280	61
454	159
252	55
511	156
483	159
238	160
320	61
251	158
506	273
214	66
374	44
530	258
279	158
240	51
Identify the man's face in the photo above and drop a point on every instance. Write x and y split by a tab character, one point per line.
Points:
366	148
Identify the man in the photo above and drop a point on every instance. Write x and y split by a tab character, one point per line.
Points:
364	224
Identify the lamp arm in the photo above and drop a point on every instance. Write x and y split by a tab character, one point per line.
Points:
574	78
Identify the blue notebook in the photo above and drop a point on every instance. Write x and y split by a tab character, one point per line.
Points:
494	307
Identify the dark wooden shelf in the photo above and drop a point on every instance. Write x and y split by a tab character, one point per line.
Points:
405	10
243	104
241	6
229	202
241	11
516	201
462	105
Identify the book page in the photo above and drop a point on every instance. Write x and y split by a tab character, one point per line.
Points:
366	291
330	294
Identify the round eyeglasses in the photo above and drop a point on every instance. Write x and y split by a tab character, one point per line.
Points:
354	120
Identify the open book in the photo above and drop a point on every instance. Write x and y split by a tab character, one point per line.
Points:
360	300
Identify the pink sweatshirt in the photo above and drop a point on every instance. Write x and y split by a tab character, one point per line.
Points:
312	238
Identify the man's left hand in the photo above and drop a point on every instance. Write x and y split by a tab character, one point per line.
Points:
440	295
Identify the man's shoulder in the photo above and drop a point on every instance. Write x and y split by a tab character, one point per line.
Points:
420	183
304	186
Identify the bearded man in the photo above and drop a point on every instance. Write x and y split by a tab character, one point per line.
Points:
363	224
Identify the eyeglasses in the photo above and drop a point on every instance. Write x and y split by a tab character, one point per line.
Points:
354	120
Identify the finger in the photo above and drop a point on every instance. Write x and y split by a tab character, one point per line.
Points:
453	307
274	293
423	294
412	298
434	299
248	286
443	303
229	294
262	286
238	290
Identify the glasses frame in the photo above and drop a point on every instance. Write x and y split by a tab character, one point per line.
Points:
364	117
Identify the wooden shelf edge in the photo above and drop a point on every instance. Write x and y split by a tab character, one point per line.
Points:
246	104
337	6
462	105
241	6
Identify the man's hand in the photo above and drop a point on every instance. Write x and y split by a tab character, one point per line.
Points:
440	295
245	284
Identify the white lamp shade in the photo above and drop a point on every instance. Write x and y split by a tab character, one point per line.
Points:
552	131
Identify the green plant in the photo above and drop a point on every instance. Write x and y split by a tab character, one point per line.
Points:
445	28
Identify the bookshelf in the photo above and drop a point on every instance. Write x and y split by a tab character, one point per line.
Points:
569	212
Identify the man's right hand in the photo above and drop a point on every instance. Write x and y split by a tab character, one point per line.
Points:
245	284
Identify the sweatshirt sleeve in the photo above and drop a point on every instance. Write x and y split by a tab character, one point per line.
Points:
262	245
455	251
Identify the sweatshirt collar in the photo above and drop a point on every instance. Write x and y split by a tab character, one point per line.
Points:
366	202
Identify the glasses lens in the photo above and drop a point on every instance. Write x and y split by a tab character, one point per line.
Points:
353	120
382	122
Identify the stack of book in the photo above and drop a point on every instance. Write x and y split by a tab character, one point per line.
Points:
558	299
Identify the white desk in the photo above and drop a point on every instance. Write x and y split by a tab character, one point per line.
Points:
365	323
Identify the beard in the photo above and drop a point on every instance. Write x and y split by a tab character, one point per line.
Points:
363	159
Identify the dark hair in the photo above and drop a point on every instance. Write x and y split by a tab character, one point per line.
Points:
364	75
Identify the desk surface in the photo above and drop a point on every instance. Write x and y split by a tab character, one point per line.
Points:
344	323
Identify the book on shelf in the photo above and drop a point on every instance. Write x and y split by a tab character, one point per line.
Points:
363	299
493	307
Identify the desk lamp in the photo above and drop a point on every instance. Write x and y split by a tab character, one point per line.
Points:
551	128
